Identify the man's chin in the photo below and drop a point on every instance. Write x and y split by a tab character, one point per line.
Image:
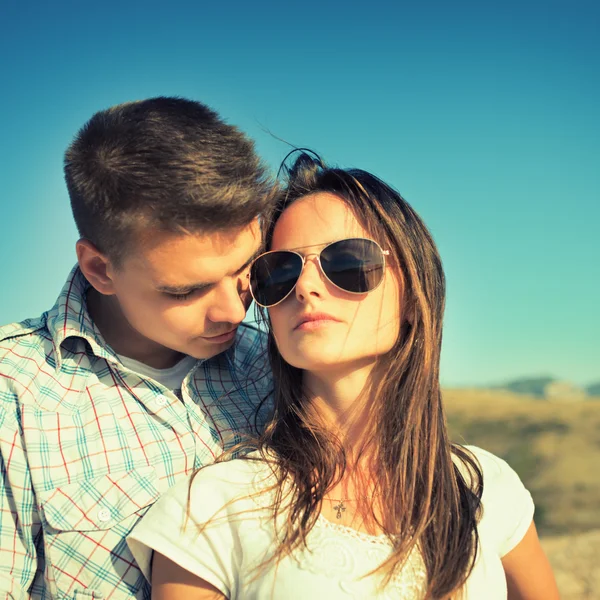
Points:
204	349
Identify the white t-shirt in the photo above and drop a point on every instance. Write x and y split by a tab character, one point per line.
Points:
240	534
171	378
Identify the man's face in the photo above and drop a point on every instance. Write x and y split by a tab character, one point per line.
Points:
188	292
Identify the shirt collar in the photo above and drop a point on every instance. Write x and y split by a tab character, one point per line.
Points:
69	317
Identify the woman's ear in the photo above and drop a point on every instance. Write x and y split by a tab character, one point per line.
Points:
409	309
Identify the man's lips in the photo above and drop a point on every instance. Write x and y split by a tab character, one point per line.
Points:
314	320
223	337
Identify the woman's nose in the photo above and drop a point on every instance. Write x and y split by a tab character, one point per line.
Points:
311	282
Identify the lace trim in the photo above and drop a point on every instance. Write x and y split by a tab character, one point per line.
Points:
341	553
346	554
379	540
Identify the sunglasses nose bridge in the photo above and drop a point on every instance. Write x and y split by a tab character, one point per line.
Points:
316	258
305	283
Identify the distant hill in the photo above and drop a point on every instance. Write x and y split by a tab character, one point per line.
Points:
535	386
594	389
549	388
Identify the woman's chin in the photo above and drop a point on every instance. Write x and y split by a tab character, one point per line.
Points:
312	362
321	361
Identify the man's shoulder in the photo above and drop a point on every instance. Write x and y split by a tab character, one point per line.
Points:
251	346
30	373
251	357
23	347
251	332
12	332
24	342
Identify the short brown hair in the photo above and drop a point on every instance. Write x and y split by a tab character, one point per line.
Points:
167	163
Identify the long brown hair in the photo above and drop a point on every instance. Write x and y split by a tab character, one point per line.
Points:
428	503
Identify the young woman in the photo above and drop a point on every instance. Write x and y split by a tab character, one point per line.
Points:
354	490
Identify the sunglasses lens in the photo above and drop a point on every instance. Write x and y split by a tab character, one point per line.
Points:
273	276
354	265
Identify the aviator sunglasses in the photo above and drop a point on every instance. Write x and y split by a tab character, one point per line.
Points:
354	265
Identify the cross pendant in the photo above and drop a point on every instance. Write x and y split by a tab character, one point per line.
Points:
340	509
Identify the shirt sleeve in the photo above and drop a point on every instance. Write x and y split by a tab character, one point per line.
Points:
507	505
201	536
19	521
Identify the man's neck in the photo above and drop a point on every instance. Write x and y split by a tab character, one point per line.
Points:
122	338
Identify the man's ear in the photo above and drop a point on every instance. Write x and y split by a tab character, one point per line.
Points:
95	266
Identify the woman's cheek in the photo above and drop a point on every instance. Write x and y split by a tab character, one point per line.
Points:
278	321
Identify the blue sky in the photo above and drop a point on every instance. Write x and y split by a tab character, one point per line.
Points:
485	116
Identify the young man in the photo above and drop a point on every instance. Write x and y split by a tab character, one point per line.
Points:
143	370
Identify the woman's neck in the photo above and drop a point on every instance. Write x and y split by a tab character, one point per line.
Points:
342	400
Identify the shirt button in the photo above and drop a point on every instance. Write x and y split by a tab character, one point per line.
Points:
104	515
162	400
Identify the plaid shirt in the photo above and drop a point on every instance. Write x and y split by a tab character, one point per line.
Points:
86	446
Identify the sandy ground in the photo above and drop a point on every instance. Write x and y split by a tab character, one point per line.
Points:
576	563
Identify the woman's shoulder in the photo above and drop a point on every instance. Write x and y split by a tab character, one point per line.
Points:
496	472
231	478
236	470
215	486
507	504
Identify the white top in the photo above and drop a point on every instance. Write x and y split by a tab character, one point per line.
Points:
240	533
171	378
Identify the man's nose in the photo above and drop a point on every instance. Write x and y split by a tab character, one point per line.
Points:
230	303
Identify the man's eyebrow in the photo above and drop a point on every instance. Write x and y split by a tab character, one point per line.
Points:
249	261
182	289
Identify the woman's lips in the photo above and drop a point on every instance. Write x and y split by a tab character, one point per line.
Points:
312	321
312	325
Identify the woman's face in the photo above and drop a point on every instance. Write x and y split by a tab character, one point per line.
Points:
351	329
